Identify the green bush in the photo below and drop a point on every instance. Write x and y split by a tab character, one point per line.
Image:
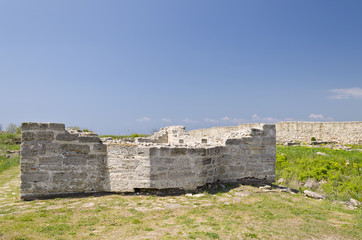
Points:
8	138
313	139
341	170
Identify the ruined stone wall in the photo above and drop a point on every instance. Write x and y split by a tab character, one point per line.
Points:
56	162
184	168
341	132
128	167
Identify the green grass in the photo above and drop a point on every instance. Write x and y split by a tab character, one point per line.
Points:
262	215
8	138
7	142
341	170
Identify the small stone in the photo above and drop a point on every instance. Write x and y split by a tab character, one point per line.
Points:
266	187
242	194
281	181
91	204
355	202
314	194
199	195
322	154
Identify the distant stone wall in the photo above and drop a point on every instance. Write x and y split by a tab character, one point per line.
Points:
341	132
55	161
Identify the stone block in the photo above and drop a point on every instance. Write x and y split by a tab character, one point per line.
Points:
57	126
28	160
31	150
268	141
74	149
27	136
178	151
69	176
35	177
196	151
75	160
165	151
44	136
25	185
96	159
89	139
66	137
100	148
154	151
256	132
50	160
26	126
233	142
206	161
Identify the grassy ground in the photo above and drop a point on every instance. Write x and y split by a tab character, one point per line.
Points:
241	212
244	212
7	142
340	171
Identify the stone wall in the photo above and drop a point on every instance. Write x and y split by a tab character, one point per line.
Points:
340	132
56	161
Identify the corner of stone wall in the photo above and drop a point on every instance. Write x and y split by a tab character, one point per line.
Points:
57	162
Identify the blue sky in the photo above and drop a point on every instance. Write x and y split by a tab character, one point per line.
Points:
125	67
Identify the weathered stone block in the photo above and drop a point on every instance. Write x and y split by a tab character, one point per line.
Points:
89	139
50	160
196	151
25	185
100	148
29	126
178	151
66	137
32	149
57	126
96	160
35	177
206	161
233	142
44	136
75	160
74	149
69	176
27	136
256	132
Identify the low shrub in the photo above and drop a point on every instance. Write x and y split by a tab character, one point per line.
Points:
340	170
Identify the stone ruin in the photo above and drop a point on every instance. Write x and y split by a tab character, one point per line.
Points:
56	161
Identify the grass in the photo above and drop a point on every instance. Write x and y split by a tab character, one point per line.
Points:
262	215
339	170
7	142
224	215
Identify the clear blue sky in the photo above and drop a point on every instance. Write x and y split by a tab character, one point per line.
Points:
132	66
